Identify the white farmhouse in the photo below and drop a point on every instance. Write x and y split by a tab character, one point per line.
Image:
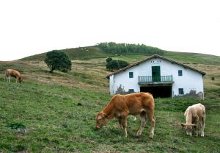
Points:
158	75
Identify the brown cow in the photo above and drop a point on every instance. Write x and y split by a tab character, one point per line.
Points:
121	106
195	119
13	73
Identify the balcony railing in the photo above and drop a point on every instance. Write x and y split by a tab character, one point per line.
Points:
150	79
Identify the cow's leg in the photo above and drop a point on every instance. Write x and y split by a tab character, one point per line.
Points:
203	127
143	123
198	126
6	78
196	129
124	125
123	122
150	114
120	122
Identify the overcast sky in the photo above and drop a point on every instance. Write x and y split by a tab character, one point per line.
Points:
30	27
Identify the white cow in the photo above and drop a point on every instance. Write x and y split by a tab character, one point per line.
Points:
195	120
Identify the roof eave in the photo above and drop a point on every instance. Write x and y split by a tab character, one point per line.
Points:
151	57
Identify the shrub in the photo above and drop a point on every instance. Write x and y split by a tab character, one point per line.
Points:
120	90
108	59
116	64
57	60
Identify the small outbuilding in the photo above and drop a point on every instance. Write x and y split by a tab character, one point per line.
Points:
158	75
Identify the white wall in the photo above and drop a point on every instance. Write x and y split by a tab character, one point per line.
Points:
191	80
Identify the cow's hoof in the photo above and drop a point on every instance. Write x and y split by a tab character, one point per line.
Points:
151	136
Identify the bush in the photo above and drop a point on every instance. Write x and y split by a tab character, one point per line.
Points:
57	60
108	59
120	90
116	65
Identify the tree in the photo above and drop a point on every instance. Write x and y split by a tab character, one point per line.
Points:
123	48
116	65
57	60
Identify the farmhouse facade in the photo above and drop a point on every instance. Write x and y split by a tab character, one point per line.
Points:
158	75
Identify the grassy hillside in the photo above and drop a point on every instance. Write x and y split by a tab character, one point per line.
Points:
37	117
56	112
93	52
89	52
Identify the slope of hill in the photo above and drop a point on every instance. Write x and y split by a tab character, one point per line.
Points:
89	52
94	52
93	58
55	112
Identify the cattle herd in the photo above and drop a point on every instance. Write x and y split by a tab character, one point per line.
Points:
141	104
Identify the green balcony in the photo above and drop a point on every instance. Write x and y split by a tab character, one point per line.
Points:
142	80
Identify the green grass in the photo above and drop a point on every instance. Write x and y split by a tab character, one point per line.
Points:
193	58
56	112
93	52
82	53
39	117
51	114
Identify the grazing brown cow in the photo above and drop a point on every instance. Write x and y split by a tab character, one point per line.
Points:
121	106
195	119
13	73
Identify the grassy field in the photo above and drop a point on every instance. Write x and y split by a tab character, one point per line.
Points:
56	112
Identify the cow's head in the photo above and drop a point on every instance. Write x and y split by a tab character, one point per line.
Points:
188	128
101	120
20	79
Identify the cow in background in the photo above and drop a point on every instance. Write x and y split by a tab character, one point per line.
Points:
13	73
121	106
195	120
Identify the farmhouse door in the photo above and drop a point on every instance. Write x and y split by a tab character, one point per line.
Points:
156	73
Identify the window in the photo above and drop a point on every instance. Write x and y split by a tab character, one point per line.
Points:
181	92
180	73
131	74
131	91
